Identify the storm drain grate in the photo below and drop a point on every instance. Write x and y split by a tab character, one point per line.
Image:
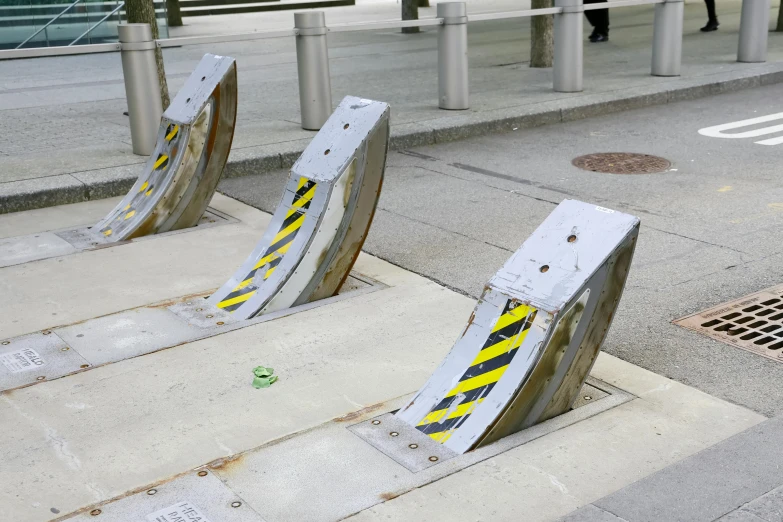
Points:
621	163
753	323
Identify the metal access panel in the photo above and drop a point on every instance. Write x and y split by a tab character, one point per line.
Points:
196	496
534	334
322	220
183	171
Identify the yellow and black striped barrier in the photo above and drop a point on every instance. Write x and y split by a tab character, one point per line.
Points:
183	171
535	333
322	220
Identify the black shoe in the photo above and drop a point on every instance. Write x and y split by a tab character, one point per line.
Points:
712	25
599	37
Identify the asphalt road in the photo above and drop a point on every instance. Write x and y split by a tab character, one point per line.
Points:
712	225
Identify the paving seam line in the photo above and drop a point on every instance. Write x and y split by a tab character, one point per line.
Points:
16	196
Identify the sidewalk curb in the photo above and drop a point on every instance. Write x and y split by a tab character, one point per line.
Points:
63	189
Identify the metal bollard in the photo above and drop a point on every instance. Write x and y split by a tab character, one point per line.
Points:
453	90
567	70
667	38
754	29
312	60
142	89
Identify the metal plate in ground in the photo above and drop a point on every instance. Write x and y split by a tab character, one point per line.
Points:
402	442
622	163
36	357
417	451
198	312
18	250
587	395
328	473
83	238
45	245
211	218
753	322
196	496
127	334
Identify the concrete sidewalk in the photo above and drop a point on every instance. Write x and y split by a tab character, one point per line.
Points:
66	140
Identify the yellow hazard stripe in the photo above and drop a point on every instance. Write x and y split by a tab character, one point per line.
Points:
500	348
271	257
304	199
172	133
290	228
160	161
144	186
302	181
520	312
442	436
478	381
107	232
130	214
148	192
234	300
461	410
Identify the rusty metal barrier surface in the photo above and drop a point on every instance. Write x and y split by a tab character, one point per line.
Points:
534	334
322	220
182	173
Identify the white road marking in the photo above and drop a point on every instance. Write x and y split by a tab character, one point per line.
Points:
718	131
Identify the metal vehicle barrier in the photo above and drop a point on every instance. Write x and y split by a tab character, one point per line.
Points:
310	31
322	220
179	179
193	142
534	334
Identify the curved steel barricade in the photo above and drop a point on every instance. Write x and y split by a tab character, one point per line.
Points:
535	332
322	220
182	173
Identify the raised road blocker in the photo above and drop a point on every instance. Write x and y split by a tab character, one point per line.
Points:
178	181
306	254
534	334
181	175
322	220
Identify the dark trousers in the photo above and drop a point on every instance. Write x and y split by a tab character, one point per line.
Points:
599	18
711	10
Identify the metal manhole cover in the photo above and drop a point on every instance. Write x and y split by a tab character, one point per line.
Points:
622	163
753	323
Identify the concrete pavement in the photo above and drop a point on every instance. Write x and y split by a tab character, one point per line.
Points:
126	440
65	139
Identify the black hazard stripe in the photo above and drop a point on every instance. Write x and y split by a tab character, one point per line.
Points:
249	288
509	331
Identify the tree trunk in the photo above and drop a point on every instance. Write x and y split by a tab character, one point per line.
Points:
424	3
143	12
410	11
779	27
173	14
541	36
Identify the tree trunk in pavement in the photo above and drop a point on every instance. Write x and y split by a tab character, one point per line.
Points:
779	27
541	36
410	11
143	12
173	14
